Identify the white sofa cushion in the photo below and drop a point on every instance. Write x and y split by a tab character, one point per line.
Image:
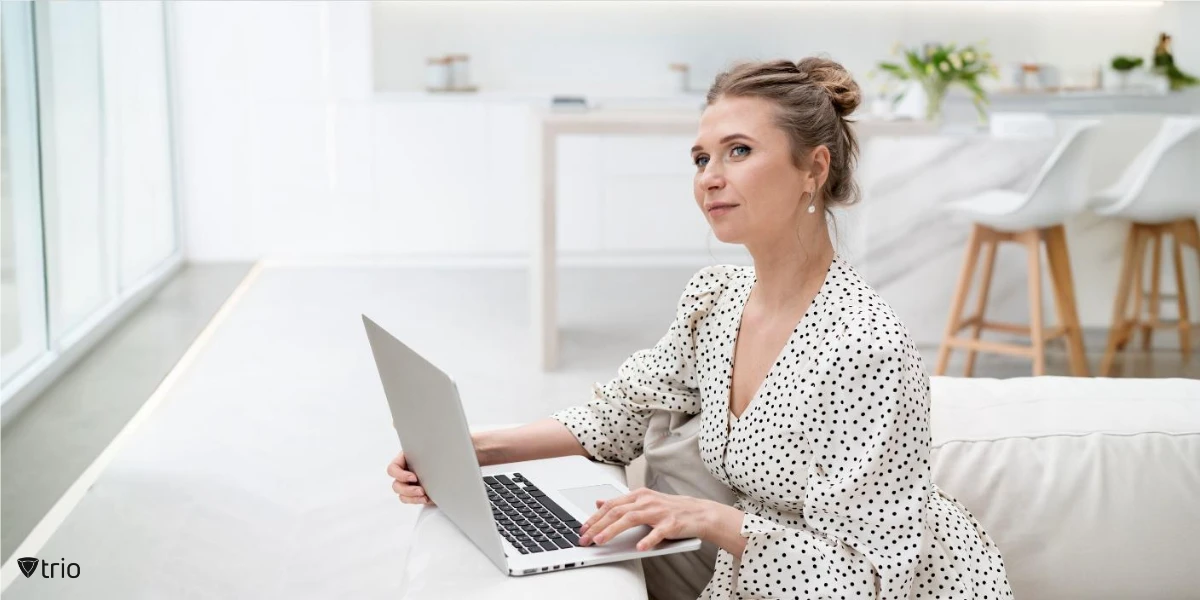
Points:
1090	487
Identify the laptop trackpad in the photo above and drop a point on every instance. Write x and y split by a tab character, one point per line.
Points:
585	497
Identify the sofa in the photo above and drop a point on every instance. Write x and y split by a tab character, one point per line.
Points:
1090	487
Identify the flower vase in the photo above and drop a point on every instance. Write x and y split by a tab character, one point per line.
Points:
1123	80
935	97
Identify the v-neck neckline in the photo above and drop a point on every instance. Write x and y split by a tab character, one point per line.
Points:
740	311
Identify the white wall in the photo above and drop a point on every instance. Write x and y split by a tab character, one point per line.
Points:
599	47
287	150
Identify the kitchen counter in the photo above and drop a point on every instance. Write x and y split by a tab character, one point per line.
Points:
911	250
623	185
549	125
958	105
903	240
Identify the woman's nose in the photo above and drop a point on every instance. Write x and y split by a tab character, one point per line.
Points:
712	179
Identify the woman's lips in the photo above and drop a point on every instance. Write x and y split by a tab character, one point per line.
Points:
720	209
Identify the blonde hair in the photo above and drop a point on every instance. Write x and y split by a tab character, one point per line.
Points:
814	96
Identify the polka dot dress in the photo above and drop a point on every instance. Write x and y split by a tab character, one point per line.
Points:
830	459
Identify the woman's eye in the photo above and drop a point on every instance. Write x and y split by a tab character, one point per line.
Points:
698	161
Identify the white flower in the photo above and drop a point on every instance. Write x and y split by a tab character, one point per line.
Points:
956	61
944	66
968	56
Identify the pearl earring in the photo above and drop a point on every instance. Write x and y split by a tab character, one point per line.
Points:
811	208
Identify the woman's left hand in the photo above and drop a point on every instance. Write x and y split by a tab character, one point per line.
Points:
671	517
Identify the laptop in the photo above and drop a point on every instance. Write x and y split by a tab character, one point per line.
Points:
525	517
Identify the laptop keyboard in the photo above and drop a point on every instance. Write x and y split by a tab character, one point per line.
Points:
529	520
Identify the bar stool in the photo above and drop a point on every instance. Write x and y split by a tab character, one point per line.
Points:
1158	194
1030	219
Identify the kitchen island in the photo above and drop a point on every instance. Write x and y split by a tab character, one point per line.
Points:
899	236
911	250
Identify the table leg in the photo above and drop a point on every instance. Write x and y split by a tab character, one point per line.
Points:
543	274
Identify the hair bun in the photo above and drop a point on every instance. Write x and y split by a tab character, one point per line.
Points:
837	82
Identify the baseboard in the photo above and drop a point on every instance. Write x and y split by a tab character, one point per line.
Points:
35	379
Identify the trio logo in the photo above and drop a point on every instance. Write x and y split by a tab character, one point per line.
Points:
29	566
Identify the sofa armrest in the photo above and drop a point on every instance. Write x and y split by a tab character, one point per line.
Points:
635	473
1087	485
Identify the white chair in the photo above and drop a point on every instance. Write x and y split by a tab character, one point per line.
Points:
1029	218
1159	193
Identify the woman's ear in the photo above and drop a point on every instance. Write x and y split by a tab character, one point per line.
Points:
819	165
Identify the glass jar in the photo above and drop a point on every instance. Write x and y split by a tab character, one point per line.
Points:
460	76
679	78
438	75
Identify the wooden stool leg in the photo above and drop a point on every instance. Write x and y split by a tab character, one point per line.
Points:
954	322
1033	244
1185	326
1189	233
1124	284
1064	295
985	286
1138	278
1155	300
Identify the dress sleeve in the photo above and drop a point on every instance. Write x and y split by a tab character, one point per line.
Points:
612	426
868	480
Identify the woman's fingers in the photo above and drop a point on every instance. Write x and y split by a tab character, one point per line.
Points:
602	509
412	491
411	494
399	461
400	474
398	470
612	530
405	482
610	516
651	540
403	476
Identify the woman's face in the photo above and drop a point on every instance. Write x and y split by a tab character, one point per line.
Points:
746	183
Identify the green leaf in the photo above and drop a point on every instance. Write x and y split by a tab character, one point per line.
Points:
938	56
915	62
895	70
975	88
1126	63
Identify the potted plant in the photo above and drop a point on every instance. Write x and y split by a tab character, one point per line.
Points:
937	68
1123	65
1164	64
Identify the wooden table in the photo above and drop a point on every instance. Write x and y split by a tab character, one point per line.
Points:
547	126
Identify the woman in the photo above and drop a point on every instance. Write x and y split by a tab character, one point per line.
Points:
812	401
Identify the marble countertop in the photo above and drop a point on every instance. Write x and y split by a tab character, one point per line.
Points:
1098	101
686	118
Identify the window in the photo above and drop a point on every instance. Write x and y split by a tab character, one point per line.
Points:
89	217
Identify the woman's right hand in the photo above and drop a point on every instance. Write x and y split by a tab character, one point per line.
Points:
406	484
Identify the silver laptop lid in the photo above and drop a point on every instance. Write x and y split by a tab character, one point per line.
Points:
428	417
